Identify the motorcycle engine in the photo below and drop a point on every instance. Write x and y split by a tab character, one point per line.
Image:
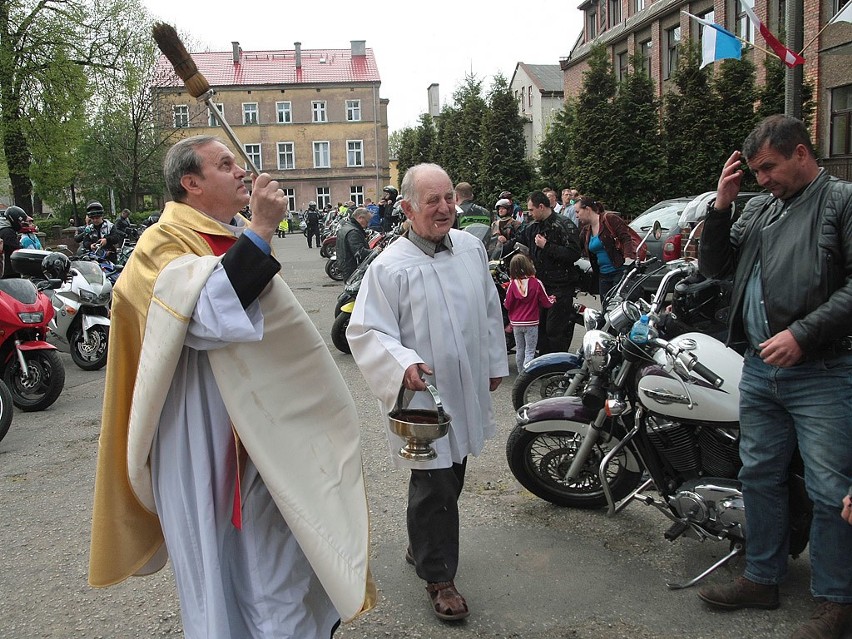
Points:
696	448
714	503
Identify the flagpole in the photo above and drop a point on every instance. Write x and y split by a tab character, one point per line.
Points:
819	33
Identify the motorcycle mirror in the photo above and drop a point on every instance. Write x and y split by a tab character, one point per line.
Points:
657	230
523	249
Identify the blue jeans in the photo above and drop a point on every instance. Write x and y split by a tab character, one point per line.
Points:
810	403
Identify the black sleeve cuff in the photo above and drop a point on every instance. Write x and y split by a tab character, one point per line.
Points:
249	269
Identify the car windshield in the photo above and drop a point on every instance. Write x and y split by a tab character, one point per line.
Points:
667	214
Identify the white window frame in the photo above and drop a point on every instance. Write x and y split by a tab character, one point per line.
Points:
323	197
180	116
290	194
353	110
354	152
282	150
318	111
672	49
212	120
322	151
356	194
256	155
284	112
249	109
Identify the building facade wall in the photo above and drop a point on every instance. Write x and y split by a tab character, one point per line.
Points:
338	181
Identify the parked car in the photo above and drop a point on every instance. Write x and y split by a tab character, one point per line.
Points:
670	245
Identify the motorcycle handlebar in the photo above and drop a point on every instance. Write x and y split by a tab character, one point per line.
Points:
692	365
706	373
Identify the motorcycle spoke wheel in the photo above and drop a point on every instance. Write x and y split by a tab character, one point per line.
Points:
543	383
43	384
91	354
540	462
332	271
6	409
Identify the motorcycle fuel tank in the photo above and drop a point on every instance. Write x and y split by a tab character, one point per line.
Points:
661	391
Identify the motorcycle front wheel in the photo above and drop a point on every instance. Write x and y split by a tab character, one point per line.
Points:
338	332
540	461
542	383
90	355
332	271
43	384
6	409
326	250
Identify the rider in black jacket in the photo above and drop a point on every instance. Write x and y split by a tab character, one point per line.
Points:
554	245
10	225
352	246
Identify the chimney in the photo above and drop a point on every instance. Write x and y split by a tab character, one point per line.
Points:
359	47
235	46
298	46
434	101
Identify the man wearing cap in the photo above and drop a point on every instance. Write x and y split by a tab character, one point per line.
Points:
99	234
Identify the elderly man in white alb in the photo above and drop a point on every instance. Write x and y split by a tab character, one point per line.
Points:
428	307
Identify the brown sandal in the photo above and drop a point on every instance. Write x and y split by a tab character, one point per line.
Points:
447	602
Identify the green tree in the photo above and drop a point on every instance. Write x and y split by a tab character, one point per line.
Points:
594	138
639	155
503	161
426	145
405	158
43	43
691	118
555	165
459	143
734	83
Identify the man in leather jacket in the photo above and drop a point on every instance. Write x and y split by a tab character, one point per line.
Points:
791	307
351	245
554	245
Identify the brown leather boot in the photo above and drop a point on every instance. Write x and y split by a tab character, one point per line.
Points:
827	622
741	593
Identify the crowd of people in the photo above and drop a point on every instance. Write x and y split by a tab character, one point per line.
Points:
276	540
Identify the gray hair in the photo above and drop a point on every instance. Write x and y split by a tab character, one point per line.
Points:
409	187
362	212
181	160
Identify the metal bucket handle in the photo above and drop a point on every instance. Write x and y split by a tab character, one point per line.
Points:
442	416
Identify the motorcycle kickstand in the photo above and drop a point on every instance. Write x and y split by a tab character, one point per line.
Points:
736	550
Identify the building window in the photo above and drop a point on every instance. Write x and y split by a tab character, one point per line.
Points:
614	13
286	156
290	194
709	16
353	110
322	159
253	151
250	113
602	16
622	61
323	197
318	107
356	194
592	23
285	112
529	96
354	153
672	45
745	28
645	48
638	5
212	120
180	115
841	121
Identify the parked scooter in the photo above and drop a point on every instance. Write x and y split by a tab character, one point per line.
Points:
669	409
30	366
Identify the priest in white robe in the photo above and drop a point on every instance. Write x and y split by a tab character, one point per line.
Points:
428	308
261	508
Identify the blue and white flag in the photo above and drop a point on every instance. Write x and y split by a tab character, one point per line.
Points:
717	43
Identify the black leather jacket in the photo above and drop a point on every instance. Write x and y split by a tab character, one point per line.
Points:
554	264
351	246
806	263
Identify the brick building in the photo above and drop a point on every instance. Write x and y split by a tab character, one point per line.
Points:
313	118
656	28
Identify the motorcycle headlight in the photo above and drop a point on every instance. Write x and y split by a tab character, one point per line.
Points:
591	318
88	296
31	318
596	349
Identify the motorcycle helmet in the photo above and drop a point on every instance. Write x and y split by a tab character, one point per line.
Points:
95	208
16	216
56	266
312	205
392	193
503	207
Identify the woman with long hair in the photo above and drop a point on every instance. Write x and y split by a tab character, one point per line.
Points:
605	240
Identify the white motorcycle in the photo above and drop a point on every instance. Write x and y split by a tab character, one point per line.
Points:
80	325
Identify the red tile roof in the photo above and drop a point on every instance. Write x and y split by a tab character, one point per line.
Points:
277	67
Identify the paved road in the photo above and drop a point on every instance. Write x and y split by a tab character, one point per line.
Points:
529	569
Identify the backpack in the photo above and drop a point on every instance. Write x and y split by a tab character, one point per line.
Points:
641	252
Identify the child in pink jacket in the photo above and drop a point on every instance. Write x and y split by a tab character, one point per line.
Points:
524	297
